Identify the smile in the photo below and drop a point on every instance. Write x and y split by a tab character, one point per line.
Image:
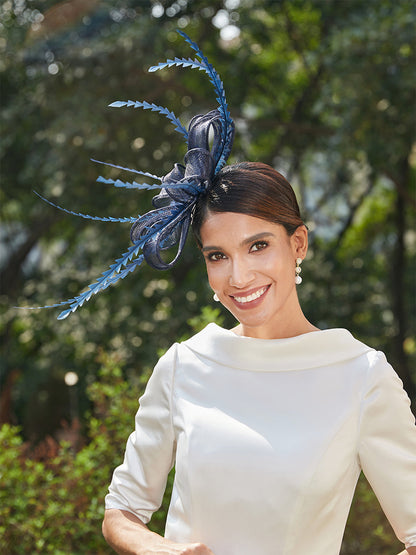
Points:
251	297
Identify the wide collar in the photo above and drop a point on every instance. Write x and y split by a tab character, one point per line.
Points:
310	350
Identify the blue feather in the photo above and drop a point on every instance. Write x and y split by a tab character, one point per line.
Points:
215	78
101	285
127	185
146	174
111	276
119	269
185	62
86	216
191	186
218	86
148	106
56	305
177	62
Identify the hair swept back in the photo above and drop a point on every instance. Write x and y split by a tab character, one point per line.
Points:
251	188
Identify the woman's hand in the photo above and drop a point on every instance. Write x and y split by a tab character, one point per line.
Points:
171	548
128	535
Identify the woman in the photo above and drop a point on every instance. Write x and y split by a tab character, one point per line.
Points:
269	424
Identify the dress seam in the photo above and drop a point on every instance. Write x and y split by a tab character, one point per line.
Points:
366	388
171	403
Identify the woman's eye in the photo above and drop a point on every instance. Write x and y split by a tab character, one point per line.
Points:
258	246
215	256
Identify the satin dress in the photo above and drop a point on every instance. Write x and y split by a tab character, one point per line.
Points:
268	438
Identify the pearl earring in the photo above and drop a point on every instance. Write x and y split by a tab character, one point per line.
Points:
298	269
215	297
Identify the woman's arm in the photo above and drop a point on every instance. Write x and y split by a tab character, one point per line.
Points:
409	551
127	535
387	448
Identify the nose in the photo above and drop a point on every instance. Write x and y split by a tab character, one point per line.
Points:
241	274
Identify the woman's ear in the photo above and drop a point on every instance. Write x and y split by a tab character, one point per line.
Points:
299	241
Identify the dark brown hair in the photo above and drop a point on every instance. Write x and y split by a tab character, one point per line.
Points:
250	188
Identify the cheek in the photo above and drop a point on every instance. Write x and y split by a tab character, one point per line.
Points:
213	278
271	263
278	267
217	275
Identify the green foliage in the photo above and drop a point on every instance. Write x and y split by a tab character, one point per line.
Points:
55	505
208	315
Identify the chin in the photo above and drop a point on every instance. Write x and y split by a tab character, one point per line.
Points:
248	322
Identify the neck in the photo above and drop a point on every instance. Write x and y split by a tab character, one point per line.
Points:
290	322
282	332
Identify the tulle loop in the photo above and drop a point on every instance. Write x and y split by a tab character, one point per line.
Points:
174	205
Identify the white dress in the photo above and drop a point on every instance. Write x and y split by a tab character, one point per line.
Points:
268	438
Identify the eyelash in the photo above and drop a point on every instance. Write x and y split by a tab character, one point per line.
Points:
211	256
261	245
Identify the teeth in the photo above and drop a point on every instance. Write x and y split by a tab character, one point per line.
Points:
251	297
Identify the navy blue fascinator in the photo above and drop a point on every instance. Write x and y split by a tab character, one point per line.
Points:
168	224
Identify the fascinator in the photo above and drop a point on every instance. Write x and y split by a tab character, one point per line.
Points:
167	225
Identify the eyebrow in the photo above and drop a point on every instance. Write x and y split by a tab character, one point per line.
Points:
251	239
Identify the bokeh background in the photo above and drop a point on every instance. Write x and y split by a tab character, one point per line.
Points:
323	90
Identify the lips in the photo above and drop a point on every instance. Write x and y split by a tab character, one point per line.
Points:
252	296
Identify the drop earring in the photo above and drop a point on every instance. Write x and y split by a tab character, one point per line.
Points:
298	269
215	297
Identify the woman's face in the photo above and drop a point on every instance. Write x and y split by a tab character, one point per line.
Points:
251	267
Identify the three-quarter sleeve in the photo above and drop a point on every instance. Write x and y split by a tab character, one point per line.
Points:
138	484
387	447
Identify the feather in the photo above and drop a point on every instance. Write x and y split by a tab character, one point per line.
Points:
118	270
122	266
86	216
147	106
219	89
56	305
214	77
190	186
145	174
194	64
127	185
95	288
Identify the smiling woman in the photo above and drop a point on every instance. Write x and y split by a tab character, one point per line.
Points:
268	424
251	267
253	239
